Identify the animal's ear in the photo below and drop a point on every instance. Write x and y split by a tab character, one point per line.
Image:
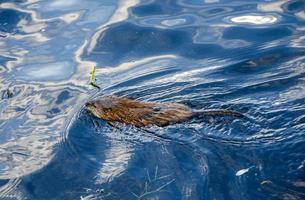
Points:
129	97
133	96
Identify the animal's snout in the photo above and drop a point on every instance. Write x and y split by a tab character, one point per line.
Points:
90	104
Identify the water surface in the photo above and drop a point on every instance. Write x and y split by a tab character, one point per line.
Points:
247	56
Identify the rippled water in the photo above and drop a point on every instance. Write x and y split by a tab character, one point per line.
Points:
247	56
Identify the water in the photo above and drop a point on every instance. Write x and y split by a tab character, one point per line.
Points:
247	56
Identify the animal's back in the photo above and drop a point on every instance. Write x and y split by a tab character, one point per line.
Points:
139	114
128	111
147	113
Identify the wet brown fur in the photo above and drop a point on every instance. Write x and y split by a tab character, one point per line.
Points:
139	114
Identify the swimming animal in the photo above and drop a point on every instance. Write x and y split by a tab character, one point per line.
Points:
124	110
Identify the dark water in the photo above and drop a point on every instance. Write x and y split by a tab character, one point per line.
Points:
247	56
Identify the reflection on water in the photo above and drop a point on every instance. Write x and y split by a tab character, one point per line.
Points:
255	19
45	72
247	56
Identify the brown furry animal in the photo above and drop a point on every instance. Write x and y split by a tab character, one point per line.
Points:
140	114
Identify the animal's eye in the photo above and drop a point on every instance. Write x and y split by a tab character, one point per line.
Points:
156	108
107	109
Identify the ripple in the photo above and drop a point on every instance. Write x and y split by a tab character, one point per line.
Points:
28	147
8	187
242	56
165	22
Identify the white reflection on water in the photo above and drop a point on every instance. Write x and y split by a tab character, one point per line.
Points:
214	35
211	1
254	19
173	22
300	15
274	6
32	119
30	28
62	3
124	67
116	161
70	17
298	42
46	72
120	14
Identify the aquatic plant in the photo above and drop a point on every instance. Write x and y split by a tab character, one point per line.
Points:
92	79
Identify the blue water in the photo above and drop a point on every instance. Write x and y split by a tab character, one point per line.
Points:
247	56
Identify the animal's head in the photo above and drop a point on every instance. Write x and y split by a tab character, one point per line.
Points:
100	108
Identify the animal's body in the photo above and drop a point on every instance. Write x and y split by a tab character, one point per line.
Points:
140	114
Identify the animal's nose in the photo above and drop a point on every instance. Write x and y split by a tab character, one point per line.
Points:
88	104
